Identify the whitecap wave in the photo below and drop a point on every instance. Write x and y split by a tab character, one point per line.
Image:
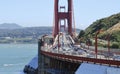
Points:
6	65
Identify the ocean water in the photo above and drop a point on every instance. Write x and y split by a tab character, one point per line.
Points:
13	57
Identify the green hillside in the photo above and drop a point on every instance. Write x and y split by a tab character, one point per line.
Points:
106	26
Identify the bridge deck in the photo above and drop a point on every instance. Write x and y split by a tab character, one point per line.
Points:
64	48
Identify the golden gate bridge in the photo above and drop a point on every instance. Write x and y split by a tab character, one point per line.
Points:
60	53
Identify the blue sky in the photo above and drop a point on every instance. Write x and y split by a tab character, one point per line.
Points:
29	13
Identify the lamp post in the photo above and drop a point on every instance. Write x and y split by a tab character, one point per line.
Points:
96	42
108	38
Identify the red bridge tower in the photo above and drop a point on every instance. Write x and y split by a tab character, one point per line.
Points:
62	16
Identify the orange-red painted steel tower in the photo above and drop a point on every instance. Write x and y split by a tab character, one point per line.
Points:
59	15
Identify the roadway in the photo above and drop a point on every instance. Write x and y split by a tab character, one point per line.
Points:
64	44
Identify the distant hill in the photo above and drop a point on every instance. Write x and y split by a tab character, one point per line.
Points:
26	31
10	26
14	33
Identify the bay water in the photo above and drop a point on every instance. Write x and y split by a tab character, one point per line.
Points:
13	57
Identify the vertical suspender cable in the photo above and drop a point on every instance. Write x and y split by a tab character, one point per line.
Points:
53	29
73	18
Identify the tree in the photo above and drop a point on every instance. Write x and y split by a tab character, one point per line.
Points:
81	34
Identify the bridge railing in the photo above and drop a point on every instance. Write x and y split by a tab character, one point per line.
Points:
84	53
77	59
